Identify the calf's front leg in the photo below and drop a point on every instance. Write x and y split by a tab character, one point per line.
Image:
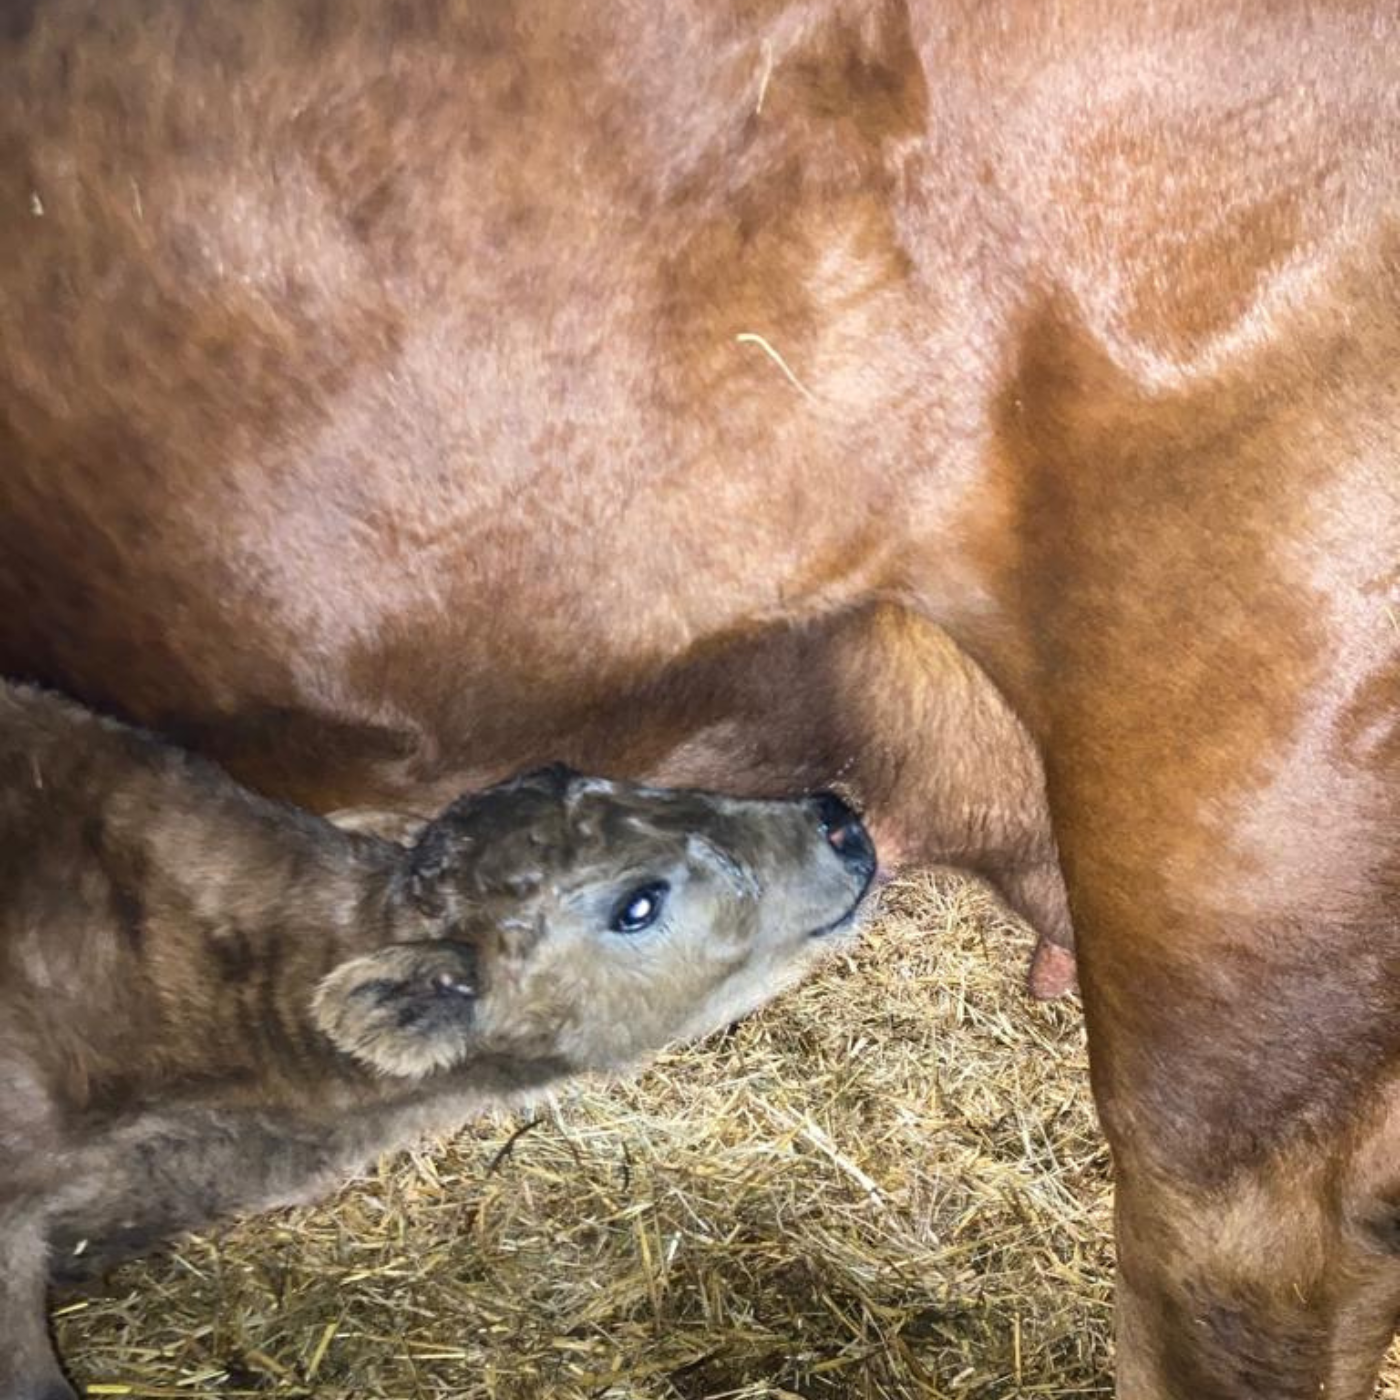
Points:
28	1366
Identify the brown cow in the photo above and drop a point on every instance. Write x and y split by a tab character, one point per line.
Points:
211	1002
387	391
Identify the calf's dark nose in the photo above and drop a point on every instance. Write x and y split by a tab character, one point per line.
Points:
844	831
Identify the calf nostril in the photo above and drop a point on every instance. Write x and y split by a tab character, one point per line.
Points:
832	812
843	829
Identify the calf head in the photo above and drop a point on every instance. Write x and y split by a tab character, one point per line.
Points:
588	923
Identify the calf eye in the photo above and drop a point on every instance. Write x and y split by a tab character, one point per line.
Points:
640	909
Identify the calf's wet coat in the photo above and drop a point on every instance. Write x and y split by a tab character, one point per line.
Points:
212	1002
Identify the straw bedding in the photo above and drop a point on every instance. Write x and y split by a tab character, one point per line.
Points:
890	1184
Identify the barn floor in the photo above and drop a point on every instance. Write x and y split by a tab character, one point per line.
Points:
888	1185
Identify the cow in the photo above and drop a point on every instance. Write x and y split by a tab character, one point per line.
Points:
390	393
211	1001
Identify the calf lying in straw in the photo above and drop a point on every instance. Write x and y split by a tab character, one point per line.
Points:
210	1002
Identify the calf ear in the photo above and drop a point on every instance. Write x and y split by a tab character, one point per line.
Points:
406	1010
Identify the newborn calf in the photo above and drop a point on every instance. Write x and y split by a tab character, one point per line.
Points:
210	1002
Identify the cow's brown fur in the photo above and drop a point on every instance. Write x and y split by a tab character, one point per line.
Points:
400	389
210	1001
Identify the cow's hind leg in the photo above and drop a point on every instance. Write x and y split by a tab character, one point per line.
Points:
1282	1284
1253	1103
28	1367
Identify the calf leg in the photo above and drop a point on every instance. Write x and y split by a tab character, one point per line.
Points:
125	1193
176	1171
28	1367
